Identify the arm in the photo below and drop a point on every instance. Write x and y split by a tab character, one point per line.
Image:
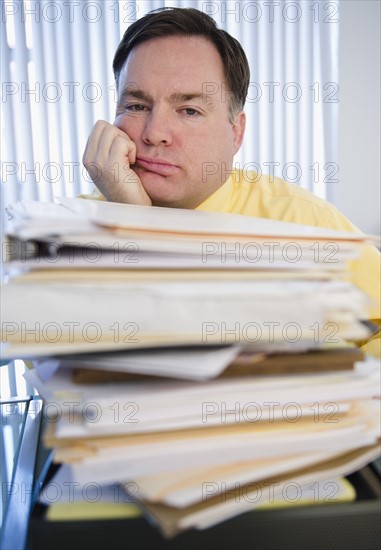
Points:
366	274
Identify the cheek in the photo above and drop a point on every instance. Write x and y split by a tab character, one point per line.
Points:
217	147
129	125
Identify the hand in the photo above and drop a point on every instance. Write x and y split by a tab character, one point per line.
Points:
107	158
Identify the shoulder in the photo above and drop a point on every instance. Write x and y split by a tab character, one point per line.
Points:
271	197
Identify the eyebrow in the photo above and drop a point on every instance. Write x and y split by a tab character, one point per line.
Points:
176	97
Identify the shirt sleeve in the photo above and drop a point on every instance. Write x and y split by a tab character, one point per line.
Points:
366	274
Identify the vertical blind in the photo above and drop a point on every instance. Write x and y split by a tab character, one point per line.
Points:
57	80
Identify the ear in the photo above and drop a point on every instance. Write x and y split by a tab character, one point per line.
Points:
238	128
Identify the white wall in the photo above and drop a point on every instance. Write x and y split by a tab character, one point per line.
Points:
358	195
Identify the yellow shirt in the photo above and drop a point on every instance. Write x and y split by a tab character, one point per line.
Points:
264	197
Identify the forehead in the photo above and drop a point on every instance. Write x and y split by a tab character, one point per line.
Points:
173	61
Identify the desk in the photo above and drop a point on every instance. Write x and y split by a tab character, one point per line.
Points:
348	526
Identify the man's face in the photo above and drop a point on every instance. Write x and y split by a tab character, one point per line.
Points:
174	107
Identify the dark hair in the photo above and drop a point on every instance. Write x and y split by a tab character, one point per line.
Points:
190	22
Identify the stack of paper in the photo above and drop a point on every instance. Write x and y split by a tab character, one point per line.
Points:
196	453
199	356
116	501
95	276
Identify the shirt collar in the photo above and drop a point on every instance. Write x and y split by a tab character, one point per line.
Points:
219	201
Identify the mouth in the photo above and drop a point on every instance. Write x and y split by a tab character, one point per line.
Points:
156	166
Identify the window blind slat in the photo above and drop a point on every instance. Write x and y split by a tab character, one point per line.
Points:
9	180
306	71
328	49
39	109
71	121
21	110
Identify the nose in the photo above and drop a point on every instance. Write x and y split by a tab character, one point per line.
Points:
157	128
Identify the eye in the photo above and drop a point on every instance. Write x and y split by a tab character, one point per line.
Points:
135	107
191	112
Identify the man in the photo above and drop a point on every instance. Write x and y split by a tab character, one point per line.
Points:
182	85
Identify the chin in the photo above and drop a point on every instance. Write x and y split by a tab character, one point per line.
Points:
162	191
167	202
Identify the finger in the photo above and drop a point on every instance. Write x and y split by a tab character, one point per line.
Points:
92	145
123	150
105	145
95	158
132	154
